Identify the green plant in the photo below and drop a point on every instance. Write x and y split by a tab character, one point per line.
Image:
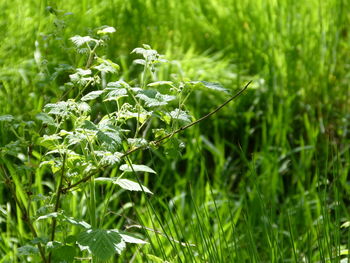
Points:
91	135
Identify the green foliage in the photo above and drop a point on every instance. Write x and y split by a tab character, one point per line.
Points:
79	141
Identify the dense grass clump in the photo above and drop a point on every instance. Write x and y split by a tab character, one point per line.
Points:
263	180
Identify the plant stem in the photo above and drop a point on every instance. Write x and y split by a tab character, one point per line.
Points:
92	203
57	203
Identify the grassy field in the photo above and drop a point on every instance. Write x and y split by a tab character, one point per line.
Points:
263	180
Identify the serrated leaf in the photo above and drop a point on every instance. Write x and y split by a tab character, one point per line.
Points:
137	142
46	119
131	185
81	77
107	66
92	95
108	158
153	99
63	254
79	40
210	85
83	107
181	115
136	168
101	243
27	250
117	84
89	125
115	94
109	137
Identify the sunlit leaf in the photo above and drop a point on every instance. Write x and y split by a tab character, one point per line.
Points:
51	215
154	98
209	85
160	83
136	168
79	40
107	66
101	243
106	30
181	115
128	238
115	94
131	185
76	222
92	95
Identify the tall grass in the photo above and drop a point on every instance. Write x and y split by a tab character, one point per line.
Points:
263	181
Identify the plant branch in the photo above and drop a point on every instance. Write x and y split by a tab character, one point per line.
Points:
130	151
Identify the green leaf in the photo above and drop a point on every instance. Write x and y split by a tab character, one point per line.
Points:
155	259
115	94
79	40
6	118
92	95
124	183
61	108
108	158
136	168
180	115
140	62
27	250
154	98
46	119
89	125
63	254
109	138
51	215
76	222
128	238
131	185
81	77
101	243
106	30
107	66
137	142
105	180
117	84
346	224
210	85
161	83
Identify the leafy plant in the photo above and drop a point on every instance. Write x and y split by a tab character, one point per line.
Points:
93	134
